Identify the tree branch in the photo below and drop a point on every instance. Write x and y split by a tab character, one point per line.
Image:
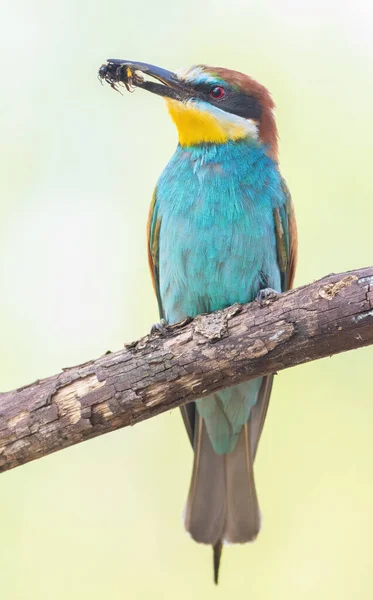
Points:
193	359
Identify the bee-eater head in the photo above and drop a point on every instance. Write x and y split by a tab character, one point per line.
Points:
210	105
221	105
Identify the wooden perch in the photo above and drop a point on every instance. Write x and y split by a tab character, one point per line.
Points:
193	359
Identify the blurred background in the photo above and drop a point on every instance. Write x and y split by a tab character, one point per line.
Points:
77	170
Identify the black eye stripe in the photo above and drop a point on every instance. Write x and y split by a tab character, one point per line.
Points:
204	88
233	102
241	105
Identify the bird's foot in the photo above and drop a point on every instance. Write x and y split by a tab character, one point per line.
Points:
266	296
159	328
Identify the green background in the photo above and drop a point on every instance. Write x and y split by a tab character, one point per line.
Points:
78	166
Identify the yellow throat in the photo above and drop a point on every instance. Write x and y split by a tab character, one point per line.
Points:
197	125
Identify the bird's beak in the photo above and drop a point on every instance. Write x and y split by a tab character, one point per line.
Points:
116	71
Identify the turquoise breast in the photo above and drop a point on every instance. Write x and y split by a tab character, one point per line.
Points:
217	241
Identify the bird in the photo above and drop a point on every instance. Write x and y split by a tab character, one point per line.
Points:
221	230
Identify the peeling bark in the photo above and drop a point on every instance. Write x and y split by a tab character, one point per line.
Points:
193	359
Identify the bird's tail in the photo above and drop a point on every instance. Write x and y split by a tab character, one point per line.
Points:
222	504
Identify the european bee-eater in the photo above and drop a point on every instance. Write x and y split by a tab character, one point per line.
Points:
221	230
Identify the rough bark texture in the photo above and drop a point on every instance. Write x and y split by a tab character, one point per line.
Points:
194	358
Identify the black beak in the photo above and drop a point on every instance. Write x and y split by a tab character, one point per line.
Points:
130	73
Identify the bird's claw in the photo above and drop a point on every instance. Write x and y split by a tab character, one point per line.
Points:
266	296
159	328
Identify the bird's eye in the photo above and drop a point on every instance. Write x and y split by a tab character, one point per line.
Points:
217	92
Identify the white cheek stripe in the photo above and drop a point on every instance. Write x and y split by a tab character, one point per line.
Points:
250	127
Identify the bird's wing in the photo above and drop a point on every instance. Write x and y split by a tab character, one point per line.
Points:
287	244
153	231
286	239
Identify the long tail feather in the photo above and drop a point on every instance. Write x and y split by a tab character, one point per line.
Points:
222	503
243	517
206	504
217	549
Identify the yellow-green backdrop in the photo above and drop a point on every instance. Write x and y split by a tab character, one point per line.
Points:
78	165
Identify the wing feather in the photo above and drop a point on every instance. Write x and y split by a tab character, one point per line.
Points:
153	234
287	239
287	245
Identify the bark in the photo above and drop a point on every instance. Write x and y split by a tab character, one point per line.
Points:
193	359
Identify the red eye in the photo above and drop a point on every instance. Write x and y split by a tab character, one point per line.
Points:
217	92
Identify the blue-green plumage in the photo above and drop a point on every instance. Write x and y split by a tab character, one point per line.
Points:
217	245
